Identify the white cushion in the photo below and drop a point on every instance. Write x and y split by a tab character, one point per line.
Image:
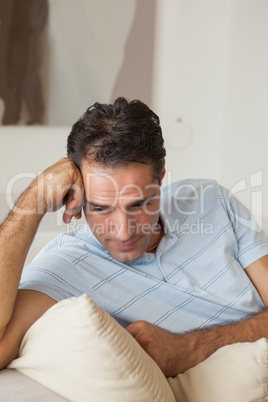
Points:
235	373
79	351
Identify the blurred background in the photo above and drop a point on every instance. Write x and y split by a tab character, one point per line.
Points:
200	65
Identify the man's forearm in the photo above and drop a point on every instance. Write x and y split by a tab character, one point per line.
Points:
60	184
175	353
195	347
16	236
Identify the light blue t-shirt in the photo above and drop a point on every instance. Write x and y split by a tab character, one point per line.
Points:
195	279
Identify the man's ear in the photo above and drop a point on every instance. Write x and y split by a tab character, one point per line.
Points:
162	173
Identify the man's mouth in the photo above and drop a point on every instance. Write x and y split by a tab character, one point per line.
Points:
126	246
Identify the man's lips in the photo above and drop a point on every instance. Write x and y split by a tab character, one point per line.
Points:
126	246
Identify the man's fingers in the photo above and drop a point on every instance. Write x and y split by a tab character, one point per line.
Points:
70	213
138	328
132	329
60	184
78	215
73	205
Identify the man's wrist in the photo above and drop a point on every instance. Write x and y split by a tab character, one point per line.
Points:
191	350
31	203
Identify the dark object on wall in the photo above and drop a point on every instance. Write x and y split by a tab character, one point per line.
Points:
135	77
23	26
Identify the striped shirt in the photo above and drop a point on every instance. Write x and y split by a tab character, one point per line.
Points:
195	279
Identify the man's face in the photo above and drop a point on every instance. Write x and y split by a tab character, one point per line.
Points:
122	208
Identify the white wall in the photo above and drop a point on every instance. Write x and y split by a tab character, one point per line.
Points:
210	70
24	153
244	136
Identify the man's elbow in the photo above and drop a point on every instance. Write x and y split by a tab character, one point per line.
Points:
7	354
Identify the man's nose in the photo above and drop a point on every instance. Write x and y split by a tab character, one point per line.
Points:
122	226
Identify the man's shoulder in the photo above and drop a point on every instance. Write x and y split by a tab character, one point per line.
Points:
192	200
73	238
190	188
69	246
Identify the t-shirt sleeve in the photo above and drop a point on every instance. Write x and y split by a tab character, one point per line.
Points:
55	271
51	275
252	241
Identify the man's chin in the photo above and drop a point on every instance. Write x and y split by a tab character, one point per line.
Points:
128	252
126	256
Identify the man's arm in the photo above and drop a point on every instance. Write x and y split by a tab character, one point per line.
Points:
59	184
175	354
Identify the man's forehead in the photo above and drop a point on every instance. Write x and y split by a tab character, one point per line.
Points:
91	165
133	178
130	184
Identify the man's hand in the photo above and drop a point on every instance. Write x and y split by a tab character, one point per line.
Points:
165	348
61	184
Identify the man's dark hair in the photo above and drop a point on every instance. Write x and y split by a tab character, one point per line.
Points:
114	135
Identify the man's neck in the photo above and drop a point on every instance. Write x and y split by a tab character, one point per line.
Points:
156	238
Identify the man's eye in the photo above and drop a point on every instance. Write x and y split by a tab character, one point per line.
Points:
142	204
99	210
137	205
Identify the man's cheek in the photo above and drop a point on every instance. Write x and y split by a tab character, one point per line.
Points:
97	228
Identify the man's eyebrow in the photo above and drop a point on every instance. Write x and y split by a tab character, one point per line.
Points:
142	201
93	204
138	201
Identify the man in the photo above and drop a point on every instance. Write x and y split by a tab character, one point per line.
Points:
184	269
